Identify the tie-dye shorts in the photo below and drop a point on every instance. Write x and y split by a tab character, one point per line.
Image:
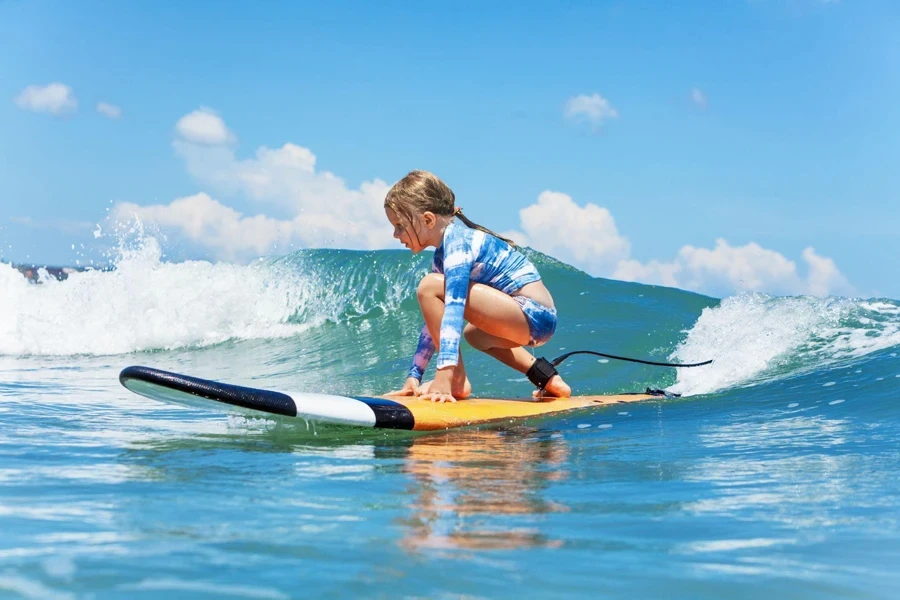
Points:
541	320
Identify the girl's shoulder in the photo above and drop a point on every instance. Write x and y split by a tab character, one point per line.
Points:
458	236
458	231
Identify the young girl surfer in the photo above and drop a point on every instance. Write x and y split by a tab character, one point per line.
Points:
476	276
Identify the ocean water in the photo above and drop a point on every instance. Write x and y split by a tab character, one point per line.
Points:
776	473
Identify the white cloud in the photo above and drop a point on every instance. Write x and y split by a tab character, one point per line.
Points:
286	177
727	269
745	268
203	126
595	109
110	111
699	98
824	277
54	98
587	237
318	209
575	234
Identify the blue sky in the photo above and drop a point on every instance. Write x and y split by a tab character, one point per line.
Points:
718	146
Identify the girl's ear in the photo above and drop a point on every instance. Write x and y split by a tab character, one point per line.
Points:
429	219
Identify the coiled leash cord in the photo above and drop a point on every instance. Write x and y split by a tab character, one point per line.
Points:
543	370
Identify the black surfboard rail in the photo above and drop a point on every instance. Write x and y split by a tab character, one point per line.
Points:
244	397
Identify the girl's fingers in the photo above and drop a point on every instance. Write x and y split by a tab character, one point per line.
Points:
403	392
439	398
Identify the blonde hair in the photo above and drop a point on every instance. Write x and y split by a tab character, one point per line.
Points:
422	191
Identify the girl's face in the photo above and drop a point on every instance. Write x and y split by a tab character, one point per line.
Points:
408	233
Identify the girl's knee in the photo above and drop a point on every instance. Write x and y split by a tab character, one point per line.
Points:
475	337
431	285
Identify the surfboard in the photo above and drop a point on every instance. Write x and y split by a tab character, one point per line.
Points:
386	412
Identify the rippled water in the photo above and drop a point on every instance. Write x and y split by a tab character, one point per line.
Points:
776	474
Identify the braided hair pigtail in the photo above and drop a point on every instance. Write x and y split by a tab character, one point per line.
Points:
458	212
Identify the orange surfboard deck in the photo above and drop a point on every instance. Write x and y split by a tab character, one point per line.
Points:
385	412
430	415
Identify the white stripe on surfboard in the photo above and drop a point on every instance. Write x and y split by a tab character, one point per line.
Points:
315	407
333	409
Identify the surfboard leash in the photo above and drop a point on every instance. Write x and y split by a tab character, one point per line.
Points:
556	361
543	370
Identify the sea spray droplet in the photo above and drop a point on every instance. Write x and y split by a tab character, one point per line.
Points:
603	360
793	405
583	425
605	426
830	383
833	402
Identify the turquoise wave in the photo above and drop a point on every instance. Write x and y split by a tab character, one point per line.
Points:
348	321
372	322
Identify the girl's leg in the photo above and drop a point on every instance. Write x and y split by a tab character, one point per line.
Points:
516	357
501	325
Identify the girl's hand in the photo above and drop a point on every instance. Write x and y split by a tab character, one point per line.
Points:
439	390
410	388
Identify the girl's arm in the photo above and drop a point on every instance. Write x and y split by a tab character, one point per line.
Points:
423	355
420	363
459	259
425	349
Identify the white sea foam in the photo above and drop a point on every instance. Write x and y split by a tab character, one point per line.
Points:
750	336
145	304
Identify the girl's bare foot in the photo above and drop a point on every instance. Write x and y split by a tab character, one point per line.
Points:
458	392
555	388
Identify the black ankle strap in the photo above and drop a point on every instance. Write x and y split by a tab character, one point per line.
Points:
541	372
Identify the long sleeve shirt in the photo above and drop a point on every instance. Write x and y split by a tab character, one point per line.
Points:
468	256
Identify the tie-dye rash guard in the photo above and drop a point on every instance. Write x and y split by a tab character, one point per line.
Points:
468	255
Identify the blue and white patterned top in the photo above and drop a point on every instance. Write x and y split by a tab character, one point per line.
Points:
468	255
